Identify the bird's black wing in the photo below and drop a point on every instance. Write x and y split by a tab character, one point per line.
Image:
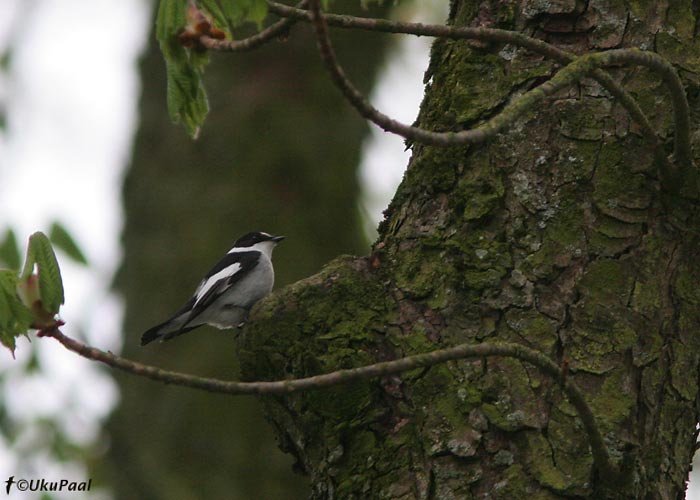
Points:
220	278
226	273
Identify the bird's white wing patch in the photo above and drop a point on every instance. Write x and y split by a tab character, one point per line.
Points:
212	280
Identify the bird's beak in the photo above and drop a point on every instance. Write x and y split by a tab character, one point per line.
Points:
277	239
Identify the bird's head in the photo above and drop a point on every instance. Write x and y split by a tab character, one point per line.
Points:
263	242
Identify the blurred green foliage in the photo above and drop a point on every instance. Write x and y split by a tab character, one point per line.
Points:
9	250
62	239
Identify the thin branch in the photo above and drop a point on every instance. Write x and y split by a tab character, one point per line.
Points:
495	35
566	76
272	32
630	104
420	29
464	351
681	109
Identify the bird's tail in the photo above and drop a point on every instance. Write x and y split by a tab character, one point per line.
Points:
177	325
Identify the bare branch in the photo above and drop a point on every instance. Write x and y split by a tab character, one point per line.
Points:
272	32
521	40
432	30
464	351
588	64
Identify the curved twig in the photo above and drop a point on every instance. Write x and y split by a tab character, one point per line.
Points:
659	65
566	76
599	451
275	30
489	34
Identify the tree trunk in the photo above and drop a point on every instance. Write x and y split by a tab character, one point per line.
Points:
557	235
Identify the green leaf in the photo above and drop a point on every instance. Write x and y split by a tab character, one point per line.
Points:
9	250
63	240
258	12
15	318
39	252
186	97
170	18
228	14
29	261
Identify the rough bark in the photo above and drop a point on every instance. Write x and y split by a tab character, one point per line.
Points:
558	235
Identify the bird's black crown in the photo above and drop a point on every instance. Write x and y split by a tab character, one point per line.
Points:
250	239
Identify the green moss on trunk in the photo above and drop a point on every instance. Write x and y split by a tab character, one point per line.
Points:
559	235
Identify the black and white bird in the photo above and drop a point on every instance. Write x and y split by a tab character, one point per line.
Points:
228	291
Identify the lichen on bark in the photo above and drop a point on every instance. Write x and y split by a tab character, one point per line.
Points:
559	235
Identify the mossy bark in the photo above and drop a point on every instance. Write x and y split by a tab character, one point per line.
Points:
559	235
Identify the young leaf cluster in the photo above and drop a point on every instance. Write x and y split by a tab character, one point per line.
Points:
186	97
187	100
40	286
32	298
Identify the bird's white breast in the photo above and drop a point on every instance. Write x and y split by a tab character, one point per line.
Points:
252	287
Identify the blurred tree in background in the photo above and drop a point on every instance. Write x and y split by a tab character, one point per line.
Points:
262	162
